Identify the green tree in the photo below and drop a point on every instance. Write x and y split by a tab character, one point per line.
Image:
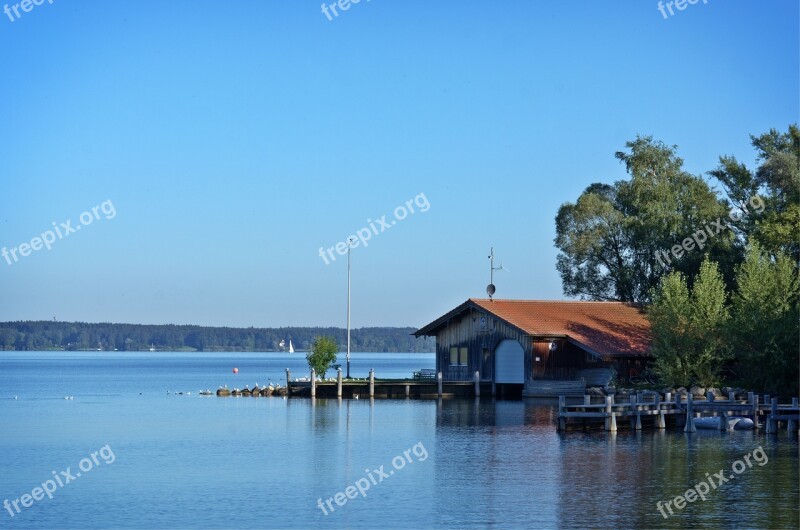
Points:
614	238
322	354
777	179
688	326
764	325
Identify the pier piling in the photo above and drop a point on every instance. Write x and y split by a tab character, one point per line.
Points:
339	383
313	383
772	423
611	420
689	427
633	409
791	425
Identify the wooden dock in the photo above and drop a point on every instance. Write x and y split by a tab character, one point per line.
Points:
423	387
655	411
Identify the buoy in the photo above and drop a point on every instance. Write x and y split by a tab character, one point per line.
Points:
236	370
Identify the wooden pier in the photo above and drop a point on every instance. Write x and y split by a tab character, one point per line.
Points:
421	388
653	410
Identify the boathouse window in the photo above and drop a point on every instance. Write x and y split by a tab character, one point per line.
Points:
459	356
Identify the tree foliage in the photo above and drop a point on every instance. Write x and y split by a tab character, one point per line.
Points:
49	335
764	326
763	330
777	179
609	239
322	355
689	343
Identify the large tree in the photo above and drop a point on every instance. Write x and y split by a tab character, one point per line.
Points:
615	240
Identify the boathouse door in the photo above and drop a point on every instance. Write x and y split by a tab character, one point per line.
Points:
509	362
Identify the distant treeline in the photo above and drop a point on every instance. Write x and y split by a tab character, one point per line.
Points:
46	335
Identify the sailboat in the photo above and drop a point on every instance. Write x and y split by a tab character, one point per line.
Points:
291	348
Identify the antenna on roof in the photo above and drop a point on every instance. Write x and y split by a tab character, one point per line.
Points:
490	289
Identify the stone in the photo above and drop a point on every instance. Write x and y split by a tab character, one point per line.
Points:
595	391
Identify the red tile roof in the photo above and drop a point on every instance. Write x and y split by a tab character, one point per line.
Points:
607	328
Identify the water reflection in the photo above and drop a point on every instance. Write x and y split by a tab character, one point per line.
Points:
508	460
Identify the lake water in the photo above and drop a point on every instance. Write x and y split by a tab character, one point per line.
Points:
149	459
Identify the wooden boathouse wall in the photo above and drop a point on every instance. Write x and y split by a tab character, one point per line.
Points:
480	333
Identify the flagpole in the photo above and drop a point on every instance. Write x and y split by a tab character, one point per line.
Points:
349	246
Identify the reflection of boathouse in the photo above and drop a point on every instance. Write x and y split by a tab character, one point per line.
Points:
538	347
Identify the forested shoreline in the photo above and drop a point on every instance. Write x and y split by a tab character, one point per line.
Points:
52	335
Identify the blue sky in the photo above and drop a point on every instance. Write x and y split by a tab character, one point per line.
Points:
236	139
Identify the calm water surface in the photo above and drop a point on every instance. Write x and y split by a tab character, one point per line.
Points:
190	461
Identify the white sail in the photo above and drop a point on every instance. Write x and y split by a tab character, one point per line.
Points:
291	348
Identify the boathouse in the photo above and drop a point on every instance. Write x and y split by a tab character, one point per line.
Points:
540	347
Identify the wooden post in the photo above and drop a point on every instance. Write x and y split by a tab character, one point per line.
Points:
439	383
339	383
562	421
710	399
494	389
611	419
477	384
288	386
633	411
371	382
679	418
638	411
731	397
791	425
689	414
754	402
408	391
587	400
772	424
313	383
661	420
